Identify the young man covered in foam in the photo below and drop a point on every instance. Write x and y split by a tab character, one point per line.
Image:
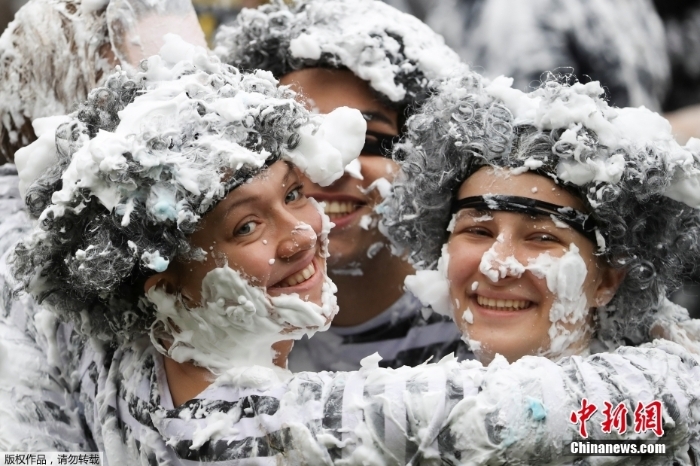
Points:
547	223
171	222
364	55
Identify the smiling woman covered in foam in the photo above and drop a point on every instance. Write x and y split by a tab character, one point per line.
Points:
179	189
548	223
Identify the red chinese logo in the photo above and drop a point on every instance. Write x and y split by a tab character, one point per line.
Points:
582	415
614	418
647	417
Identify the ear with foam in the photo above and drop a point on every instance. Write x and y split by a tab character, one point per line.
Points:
611	279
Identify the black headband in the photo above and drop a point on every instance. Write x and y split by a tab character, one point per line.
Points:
583	223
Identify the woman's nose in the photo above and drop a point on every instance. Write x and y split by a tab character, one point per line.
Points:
501	260
297	238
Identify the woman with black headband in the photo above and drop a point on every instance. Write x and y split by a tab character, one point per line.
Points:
554	224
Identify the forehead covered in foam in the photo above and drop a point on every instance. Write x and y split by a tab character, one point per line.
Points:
376	42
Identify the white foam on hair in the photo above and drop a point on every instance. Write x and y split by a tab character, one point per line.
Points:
176	90
324	152
623	134
359	31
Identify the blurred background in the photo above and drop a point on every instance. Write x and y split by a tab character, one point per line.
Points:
644	52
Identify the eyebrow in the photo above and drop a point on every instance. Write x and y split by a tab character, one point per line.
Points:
255	198
473	212
377	116
290	171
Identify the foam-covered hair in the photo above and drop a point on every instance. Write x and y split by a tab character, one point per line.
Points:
398	55
55	52
639	184
134	169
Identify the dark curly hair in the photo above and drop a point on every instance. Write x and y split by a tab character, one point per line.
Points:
396	53
464	127
89	257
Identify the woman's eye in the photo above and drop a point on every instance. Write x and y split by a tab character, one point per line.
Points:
293	195
246	229
545	237
477	231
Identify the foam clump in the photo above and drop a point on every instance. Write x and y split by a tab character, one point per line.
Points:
598	142
393	51
176	105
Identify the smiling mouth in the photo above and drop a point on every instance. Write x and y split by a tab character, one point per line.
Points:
299	277
336	209
503	304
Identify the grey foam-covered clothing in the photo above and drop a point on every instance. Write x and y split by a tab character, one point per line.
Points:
36	380
59	392
457	411
401	335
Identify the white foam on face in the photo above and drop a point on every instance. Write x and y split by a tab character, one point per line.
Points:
236	323
557	222
468	316
365	222
495	268
453	222
565	277
354	169
483	218
374	249
382	185
432	287
350	271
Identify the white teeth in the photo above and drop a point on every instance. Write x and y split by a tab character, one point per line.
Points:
335	209
503	304
299	276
